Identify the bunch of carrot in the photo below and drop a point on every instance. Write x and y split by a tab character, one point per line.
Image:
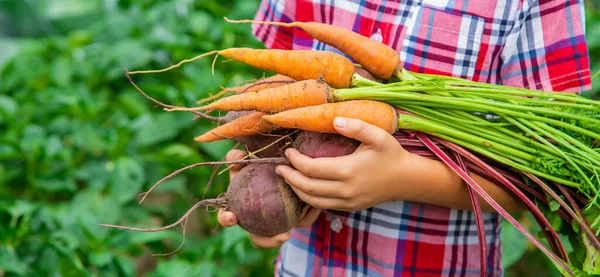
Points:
542	146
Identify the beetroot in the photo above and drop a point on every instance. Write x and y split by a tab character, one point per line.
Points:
262	201
316	145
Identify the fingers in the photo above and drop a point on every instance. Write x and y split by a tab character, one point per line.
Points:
226	218
308	185
322	202
233	155
322	168
361	131
269	242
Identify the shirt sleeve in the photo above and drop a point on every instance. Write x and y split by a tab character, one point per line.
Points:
546	49
275	37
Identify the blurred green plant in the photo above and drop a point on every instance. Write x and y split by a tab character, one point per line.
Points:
78	143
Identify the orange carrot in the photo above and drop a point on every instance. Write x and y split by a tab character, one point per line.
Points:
378	58
248	125
295	95
320	118
335	69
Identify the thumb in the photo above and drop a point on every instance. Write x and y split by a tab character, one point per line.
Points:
364	132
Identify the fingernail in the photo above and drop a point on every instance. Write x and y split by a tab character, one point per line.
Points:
339	122
277	170
286	152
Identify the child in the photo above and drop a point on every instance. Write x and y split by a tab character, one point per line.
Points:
382	211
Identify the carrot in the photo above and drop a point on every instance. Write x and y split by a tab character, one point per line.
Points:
248	125
378	58
335	69
295	95
320	118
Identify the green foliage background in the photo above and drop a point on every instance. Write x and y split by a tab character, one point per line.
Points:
77	143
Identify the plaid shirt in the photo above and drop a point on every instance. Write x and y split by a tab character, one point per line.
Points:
521	43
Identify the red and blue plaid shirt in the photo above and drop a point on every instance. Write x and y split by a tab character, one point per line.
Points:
521	43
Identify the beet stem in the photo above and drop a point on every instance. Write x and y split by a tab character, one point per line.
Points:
563	204
167	106
429	143
499	178
478	218
278	160
220	202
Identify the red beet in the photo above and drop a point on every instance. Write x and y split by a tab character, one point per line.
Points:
262	201
316	145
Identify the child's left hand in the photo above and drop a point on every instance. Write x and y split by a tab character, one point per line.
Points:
363	179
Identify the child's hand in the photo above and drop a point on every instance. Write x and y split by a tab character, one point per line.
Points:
368	177
228	219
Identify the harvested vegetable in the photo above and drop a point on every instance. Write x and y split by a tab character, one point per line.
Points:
335	69
286	97
317	145
320	118
246	125
378	58
262	201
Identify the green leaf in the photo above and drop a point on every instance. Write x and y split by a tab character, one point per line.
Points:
8	107
554	205
21	207
9	262
62	72
95	173
89	137
575	226
33	138
591	264
126	179
175	185
182	268
53	146
181	153
48	260
514	244
130	54
100	259
200	22
126	266
143	238
56	184
232	236
152	129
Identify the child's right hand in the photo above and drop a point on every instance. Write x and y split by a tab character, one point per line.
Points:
228	219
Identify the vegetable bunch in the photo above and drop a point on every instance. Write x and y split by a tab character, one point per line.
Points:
541	146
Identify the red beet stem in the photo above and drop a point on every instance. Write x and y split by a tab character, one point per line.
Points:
429	143
478	218
564	205
512	188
